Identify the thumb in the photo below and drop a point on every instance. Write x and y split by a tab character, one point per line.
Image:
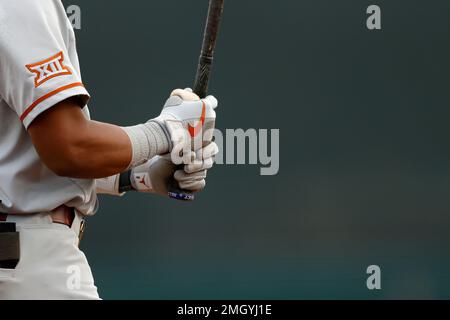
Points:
186	95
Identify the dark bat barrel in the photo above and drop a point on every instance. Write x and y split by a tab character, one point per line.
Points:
209	44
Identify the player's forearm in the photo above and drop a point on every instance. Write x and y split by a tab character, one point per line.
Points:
73	146
101	150
95	150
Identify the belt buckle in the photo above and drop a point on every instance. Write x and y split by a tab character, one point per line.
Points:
82	227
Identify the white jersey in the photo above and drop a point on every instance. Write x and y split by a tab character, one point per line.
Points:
38	68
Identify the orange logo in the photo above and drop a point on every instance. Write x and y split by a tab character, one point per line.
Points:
48	69
193	131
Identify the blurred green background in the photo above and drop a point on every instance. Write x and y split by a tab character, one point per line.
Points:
364	176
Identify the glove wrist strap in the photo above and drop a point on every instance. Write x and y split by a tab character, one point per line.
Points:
125	182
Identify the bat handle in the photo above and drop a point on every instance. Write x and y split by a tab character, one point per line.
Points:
203	75
176	193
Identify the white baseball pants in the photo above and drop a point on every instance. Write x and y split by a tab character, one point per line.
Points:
51	265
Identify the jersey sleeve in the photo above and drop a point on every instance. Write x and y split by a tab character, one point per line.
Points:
35	67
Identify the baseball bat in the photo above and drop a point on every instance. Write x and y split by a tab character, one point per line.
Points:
205	62
203	74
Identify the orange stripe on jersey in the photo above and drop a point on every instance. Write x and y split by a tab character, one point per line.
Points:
48	95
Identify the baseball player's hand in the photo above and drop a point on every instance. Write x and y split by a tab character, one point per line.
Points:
193	175
185	124
189	123
156	175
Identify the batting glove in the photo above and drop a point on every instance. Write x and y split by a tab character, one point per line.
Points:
185	123
155	175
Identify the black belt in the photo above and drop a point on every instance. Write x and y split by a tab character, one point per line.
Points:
9	245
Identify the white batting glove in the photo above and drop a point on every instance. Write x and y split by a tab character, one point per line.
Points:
189	121
156	175
193	175
185	123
